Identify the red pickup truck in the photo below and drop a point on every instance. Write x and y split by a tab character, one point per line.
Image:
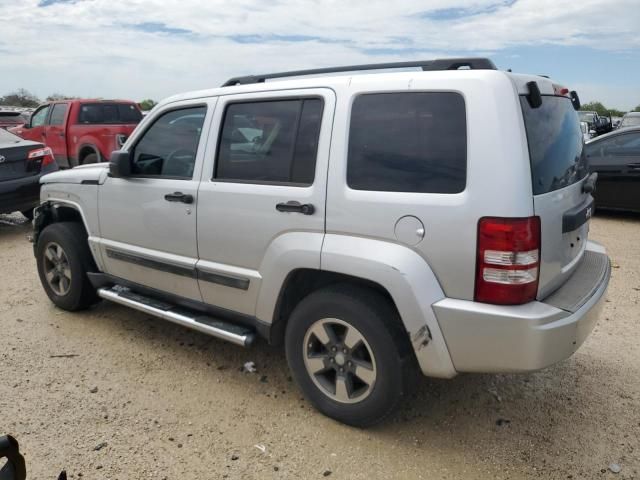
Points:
81	131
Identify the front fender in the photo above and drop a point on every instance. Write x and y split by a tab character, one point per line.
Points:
82	198
411	283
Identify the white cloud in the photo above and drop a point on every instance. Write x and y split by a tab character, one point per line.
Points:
91	47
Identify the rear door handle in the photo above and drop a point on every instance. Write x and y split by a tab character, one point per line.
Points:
296	207
179	197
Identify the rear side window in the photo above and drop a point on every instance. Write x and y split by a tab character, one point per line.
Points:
109	113
408	142
57	114
555	144
270	142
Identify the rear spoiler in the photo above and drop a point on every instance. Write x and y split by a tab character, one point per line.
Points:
534	97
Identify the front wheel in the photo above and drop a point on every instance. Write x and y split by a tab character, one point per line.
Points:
64	258
346	351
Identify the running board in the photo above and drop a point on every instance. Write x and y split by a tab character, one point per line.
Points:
230	332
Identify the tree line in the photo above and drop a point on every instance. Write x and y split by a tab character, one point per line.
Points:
24	98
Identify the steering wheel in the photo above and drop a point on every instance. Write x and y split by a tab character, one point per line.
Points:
175	163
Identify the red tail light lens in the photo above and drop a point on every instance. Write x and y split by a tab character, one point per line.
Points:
45	153
508	260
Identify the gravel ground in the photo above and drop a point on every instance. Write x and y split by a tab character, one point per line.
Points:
140	398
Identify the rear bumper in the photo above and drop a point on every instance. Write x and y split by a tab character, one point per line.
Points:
495	338
19	194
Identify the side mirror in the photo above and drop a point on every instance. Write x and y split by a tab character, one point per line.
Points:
120	164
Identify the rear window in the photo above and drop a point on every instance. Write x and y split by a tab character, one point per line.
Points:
109	113
408	142
555	144
12	117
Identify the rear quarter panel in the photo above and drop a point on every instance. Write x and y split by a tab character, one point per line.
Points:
498	175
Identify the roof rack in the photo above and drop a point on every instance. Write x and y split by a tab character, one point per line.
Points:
473	63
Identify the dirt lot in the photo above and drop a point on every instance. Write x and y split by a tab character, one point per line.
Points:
140	398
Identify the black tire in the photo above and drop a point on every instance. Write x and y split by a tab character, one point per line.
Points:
378	323
28	213
72	239
91	158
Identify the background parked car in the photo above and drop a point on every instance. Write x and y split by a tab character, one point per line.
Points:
22	163
631	119
82	131
587	133
616	158
11	118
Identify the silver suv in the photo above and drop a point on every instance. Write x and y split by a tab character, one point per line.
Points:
375	223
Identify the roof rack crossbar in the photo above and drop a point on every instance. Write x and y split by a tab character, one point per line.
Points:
473	63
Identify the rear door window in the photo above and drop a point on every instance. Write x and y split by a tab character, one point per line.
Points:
408	142
270	142
57	114
555	144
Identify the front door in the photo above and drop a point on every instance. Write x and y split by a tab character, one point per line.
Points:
55	133
36	130
263	202
148	219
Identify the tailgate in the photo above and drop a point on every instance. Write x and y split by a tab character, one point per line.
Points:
564	220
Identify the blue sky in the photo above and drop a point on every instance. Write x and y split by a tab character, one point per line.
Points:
154	48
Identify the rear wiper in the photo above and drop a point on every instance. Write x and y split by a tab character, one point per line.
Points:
534	97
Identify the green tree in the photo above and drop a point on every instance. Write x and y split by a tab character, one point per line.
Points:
58	96
637	109
147	104
601	109
20	98
595	107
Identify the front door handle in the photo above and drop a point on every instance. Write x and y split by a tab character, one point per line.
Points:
296	207
179	197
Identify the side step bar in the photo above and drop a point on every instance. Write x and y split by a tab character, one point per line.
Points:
230	332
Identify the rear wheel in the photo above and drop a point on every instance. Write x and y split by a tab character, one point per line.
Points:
347	354
64	258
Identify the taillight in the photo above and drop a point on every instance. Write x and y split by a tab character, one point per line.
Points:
45	153
508	260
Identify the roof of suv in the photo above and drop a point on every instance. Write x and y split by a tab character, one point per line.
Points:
519	81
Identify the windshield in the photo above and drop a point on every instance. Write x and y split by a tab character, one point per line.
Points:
555	144
8	138
631	121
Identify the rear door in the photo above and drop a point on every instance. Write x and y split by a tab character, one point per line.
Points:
558	168
266	191
55	132
616	159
